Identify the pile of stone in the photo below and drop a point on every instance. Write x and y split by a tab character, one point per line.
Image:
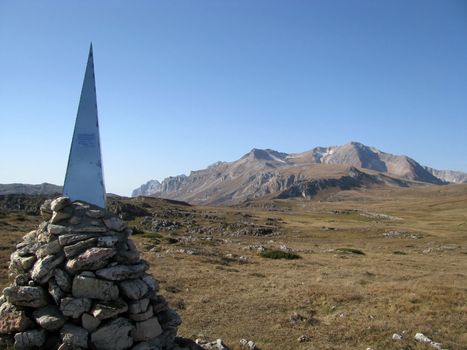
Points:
79	283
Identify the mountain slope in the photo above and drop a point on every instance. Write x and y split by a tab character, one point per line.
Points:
275	174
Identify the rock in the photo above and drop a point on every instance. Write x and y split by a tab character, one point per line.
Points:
90	229
43	267
151	283
143	316
12	319
396	336
215	345
74	307
138	306
248	344
169	319
74	336
91	259
21	263
63	280
46	211
123	272
90	322
115	224
113	336
57	229
159	304
30	339
50	248
21	280
133	289
95	213
26	296
72	238
103	310
72	250
146	330
127	253
107	241
55	291
422	338
304	338
75	220
94	288
49	317
60	203
58	216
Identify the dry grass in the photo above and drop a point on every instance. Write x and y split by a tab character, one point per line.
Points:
339	300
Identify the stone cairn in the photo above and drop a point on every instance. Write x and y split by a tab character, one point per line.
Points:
79	283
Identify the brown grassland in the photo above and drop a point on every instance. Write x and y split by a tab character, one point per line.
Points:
352	288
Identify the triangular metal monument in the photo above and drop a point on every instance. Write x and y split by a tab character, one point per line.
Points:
84	179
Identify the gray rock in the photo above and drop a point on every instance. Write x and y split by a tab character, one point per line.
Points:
133	289
94	288
57	229
146	330
49	317
72	238
103	310
95	213
26	296
30	339
113	336
143	316
169	319
151	282
43	267
138	306
59	203
63	280
107	241
55	291
90	229
127	253
72	250
115	224
13	319
123	272
46	211
20	264
64	214
90	322
91	259
50	248
74	336
74	307
21	280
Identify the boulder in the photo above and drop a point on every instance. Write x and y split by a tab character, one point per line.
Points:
123	272
63	280
146	330
75	249
26	296
133	289
43	267
74	336
91	259
138	306
115	224
89	322
30	339
103	310
113	336
12	319
59	203
49	317
94	288
74	307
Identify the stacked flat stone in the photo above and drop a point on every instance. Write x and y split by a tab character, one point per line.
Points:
79	283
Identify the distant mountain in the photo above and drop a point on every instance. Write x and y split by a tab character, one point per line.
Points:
265	172
42	189
452	176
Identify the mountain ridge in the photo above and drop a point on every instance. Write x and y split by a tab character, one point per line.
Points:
266	172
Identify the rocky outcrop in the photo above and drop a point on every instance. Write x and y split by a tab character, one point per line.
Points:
79	283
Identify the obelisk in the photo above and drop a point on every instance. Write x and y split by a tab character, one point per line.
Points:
84	179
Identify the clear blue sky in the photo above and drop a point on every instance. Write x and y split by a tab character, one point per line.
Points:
182	84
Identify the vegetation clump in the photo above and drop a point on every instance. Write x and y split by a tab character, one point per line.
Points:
279	254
